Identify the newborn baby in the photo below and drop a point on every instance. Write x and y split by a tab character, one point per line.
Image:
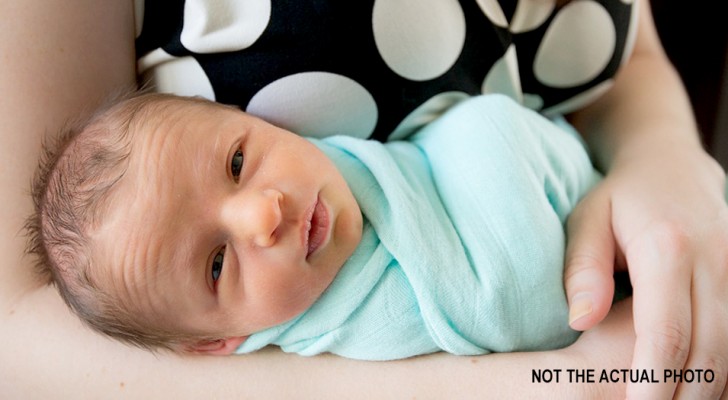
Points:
184	224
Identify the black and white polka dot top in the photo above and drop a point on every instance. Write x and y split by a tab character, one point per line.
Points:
381	68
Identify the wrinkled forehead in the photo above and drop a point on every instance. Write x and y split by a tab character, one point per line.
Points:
124	246
141	214
164	148
160	114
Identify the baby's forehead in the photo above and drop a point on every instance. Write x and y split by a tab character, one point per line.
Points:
163	112
167	154
173	116
172	140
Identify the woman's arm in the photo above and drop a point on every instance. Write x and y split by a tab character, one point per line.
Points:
58	56
52	356
661	213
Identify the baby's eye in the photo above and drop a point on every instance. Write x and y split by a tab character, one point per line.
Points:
217	261
236	164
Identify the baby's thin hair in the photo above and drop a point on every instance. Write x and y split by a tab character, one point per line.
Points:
78	171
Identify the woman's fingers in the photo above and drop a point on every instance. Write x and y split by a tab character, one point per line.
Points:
589	262
658	262
709	348
704	375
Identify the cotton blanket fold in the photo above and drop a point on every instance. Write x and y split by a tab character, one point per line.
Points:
463	242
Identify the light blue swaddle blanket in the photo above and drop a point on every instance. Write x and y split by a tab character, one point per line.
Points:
463	242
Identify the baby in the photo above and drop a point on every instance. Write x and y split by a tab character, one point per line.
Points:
179	223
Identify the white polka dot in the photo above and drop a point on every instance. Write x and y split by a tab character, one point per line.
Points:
138	16
503	77
178	75
317	104
426	113
577	46
580	100
213	26
494	12
419	39
530	14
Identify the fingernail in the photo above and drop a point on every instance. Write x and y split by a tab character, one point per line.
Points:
581	306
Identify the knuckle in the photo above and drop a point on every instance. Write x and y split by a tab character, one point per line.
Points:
668	238
578	263
585	271
671	238
717	364
712	389
672	340
709	390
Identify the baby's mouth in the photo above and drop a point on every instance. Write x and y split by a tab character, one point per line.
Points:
318	227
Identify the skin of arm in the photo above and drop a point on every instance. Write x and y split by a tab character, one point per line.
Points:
60	56
661	214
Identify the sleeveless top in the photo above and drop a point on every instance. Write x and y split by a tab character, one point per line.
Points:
380	68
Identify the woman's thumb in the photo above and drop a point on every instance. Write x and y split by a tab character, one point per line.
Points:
589	261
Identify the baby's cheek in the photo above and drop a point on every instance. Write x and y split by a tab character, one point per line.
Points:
282	296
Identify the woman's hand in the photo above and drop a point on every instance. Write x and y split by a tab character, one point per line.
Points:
661	214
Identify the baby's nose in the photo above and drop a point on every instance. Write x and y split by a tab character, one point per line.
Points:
257	217
269	219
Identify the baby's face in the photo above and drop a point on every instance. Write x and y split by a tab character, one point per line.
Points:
224	225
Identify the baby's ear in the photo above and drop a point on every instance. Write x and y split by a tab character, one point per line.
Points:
219	347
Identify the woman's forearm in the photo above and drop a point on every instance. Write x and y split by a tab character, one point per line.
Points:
77	363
